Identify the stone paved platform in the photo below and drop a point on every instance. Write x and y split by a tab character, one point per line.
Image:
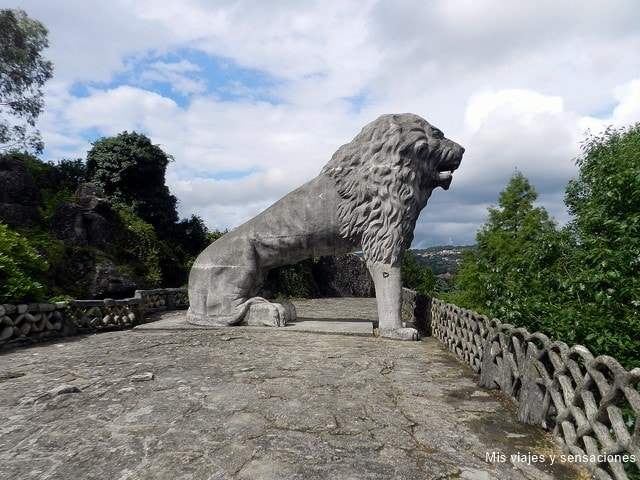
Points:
257	403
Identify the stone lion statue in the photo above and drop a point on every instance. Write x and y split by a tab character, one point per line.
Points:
368	197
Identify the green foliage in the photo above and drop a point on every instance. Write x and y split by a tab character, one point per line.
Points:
507	275
213	236
188	238
137	250
60	278
23	72
193	235
180	246
603	270
57	182
21	269
414	276
581	284
468	291
131	171
291	281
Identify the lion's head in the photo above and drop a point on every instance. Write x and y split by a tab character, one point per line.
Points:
385	176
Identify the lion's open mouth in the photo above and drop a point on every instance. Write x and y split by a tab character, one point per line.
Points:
446	175
448	165
444	179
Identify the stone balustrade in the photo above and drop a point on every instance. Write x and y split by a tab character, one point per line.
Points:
27	323
163	299
590	404
18	321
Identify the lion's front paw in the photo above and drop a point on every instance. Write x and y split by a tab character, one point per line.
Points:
404	333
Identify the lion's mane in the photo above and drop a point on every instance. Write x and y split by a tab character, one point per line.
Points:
384	184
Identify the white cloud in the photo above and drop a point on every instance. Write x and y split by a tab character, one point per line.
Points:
508	106
520	129
626	111
121	108
177	74
516	83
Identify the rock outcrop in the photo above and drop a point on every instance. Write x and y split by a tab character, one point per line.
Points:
83	222
19	194
106	281
343	276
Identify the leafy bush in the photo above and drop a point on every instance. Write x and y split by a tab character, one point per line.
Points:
131	171
136	248
602	284
21	269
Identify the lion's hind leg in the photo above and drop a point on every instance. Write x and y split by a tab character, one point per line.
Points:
222	300
218	293
255	311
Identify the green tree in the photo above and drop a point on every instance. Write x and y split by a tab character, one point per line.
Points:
215	235
192	236
186	239
131	171
603	270
23	72
415	276
511	272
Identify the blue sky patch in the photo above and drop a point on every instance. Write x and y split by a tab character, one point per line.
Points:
234	175
604	112
186	73
359	101
225	175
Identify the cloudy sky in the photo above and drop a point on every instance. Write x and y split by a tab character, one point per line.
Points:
252	97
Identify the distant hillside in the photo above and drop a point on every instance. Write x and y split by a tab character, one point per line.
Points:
443	260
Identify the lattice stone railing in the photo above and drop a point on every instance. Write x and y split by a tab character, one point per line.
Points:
37	321
592	405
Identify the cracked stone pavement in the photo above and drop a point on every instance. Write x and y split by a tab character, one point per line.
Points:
254	403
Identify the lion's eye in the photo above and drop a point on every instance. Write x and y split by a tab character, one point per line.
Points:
437	133
421	147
